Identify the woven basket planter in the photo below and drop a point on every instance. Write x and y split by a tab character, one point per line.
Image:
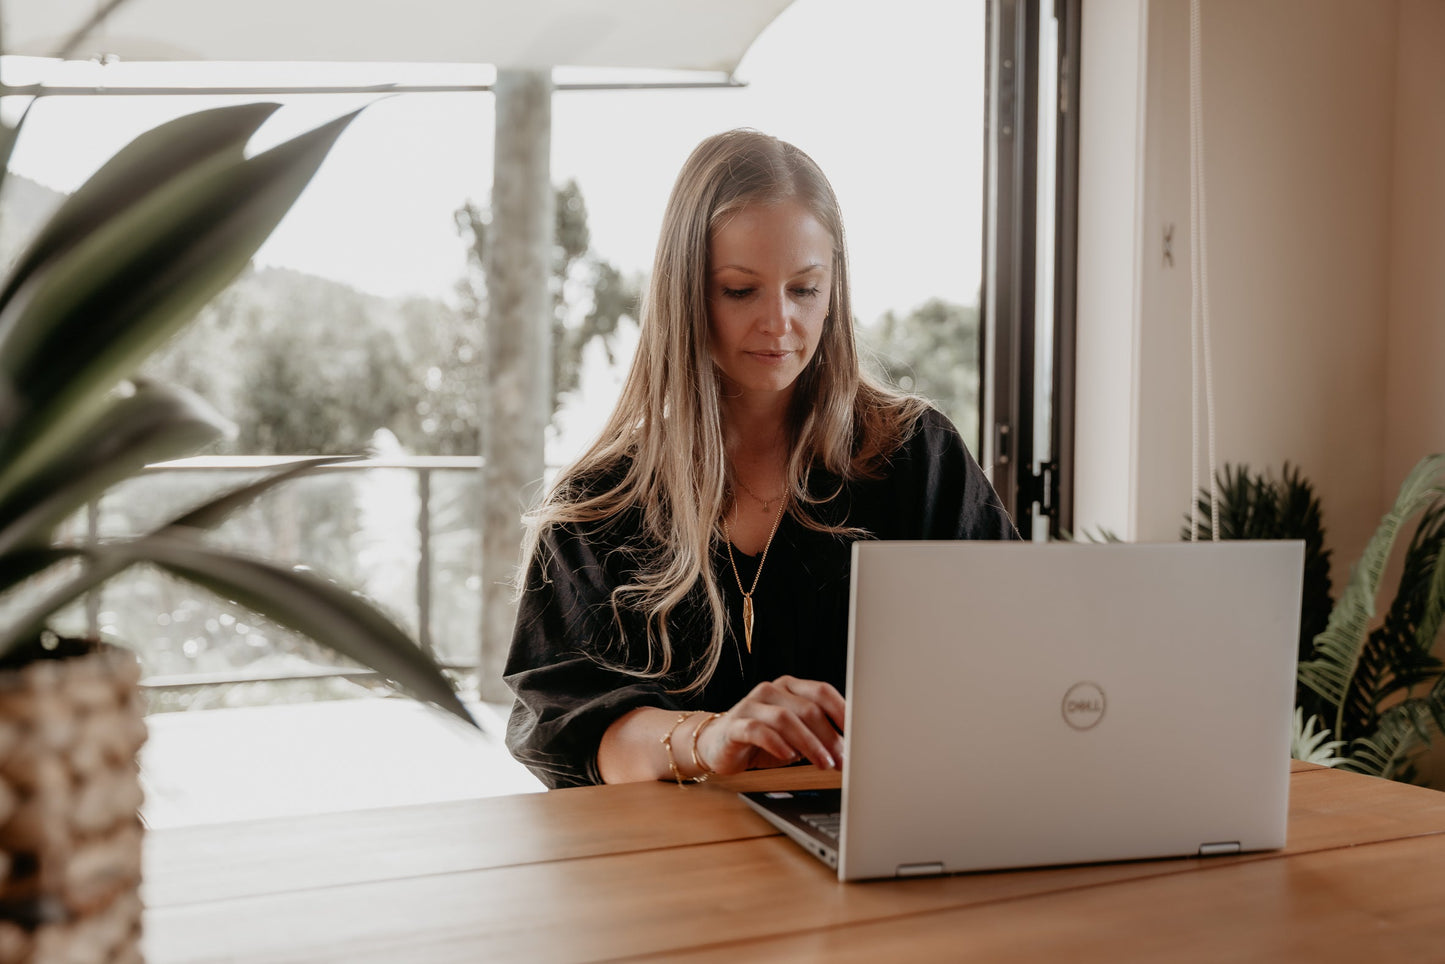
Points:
71	723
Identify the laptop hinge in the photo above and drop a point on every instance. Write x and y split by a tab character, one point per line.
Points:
919	870
1216	849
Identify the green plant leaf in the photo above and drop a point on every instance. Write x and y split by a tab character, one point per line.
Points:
1311	745
76	329
18	566
21	564
214	512
27	562
1431	534
9	136
1401	729
308	604
77	37
144	165
1337	649
340	620
153	423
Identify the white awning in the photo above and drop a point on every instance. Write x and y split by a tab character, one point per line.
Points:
671	34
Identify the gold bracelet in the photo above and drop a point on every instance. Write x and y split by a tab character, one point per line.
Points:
667	744
706	771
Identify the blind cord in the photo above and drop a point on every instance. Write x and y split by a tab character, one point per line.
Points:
1200	338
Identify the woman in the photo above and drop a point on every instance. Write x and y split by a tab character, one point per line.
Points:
684	604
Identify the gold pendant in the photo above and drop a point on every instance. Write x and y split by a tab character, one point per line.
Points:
748	620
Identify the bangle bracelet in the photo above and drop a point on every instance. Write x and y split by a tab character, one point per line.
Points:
705	770
667	745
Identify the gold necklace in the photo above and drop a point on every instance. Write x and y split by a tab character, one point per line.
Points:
748	593
767	504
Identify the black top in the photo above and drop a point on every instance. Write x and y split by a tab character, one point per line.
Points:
566	699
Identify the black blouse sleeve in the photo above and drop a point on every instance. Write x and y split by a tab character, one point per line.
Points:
565	697
940	491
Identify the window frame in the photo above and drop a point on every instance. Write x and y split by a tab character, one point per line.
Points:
1009	309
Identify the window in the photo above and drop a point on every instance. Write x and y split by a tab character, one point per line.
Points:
1029	286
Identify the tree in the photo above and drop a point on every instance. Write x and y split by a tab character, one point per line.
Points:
305	365
590	296
933	351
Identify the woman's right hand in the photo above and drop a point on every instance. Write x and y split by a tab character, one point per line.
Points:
776	724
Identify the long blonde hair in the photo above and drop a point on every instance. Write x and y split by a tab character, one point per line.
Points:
661	452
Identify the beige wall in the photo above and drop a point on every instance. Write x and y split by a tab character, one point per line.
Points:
1299	102
1415	355
1111	178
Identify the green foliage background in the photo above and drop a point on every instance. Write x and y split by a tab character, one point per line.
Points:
304	365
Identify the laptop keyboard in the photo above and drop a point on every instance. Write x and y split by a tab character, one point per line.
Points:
826	824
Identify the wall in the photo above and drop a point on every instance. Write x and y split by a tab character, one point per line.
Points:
1299	166
1110	199
1415	386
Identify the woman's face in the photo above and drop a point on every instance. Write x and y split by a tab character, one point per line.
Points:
770	277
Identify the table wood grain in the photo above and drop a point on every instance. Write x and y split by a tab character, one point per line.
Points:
628	872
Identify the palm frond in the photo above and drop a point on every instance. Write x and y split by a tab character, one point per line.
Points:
1312	745
17	566
140	168
1386	752
212	513
9	136
298	600
1435	703
152	423
1431	538
73	331
1337	650
1259	506
1397	655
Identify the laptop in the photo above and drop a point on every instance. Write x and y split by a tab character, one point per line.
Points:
1018	705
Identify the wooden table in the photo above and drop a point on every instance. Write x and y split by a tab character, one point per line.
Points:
651	870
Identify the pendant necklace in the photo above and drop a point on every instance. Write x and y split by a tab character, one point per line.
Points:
767	504
748	593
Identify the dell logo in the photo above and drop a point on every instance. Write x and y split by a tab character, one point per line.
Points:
1083	706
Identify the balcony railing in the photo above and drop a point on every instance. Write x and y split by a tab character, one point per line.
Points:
402	531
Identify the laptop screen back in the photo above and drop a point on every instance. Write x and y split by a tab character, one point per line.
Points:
1017	704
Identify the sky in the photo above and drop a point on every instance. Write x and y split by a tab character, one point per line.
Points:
891	107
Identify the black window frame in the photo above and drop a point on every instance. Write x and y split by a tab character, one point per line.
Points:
1008	310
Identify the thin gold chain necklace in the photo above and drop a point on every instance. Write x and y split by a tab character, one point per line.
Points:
748	593
766	503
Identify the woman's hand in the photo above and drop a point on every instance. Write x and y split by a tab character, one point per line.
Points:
776	724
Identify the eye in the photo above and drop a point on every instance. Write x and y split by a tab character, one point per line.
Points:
812	292
736	292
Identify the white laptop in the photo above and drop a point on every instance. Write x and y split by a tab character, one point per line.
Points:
1018	704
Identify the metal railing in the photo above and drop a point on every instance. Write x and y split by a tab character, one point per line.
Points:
98	523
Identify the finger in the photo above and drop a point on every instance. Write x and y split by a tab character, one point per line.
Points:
812	714
802	737
749	736
819	692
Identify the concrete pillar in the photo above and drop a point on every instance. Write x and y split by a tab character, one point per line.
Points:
516	399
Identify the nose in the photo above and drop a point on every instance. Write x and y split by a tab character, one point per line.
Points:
775	314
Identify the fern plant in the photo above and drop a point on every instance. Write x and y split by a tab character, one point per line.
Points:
1259	506
1383	683
1370	691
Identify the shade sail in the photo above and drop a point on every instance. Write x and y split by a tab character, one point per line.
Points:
671	34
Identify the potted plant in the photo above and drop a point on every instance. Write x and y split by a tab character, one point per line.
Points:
121	266
1371	690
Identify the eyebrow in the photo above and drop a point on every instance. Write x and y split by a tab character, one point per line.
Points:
746	270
